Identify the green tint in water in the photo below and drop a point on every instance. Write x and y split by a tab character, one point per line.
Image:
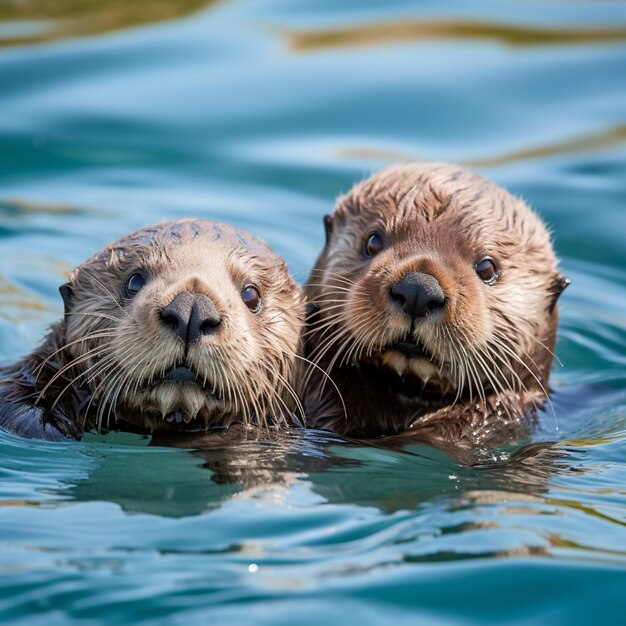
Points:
260	114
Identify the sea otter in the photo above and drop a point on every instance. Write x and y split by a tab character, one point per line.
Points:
186	325
434	309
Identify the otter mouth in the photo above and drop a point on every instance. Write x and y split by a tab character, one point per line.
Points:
180	374
408	369
410	348
407	387
178	395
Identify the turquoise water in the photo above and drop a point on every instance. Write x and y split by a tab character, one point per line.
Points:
260	114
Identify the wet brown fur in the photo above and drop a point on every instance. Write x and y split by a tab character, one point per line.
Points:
102	365
491	345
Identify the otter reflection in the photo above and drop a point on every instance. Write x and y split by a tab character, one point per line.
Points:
252	463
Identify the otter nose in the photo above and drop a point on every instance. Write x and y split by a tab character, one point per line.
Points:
417	294
190	316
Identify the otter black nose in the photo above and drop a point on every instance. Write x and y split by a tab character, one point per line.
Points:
191	315
417	294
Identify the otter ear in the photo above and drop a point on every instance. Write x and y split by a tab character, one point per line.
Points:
559	285
328	227
68	296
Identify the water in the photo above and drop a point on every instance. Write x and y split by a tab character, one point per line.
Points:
115	115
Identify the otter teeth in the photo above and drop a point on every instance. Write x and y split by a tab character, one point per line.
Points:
395	361
178	417
422	369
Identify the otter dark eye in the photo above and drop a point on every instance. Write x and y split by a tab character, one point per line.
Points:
134	284
373	245
251	298
487	270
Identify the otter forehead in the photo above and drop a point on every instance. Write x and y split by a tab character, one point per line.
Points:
187	242
429	206
424	188
172	234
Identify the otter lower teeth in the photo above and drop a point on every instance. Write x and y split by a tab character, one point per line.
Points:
178	417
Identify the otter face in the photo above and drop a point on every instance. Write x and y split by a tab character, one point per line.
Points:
439	277
185	324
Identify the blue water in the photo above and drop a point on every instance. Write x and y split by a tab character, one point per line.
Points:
260	114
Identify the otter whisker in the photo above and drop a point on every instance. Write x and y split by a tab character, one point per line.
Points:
337	290
278	414
475	375
104	316
318	354
327	342
108	291
77	361
103	399
74	380
541	386
458	366
71	364
336	356
333	275
105	372
489	374
97	335
324	328
292	393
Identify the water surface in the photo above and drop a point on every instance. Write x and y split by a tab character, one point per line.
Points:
260	114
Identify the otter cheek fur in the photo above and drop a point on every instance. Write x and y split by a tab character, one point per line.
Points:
433	309
185	325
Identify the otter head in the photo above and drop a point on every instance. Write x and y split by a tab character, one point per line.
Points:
439	280
184	325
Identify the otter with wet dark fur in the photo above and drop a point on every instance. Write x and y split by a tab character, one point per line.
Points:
184	325
435	300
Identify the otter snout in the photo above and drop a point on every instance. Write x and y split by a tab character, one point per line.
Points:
191	316
417	294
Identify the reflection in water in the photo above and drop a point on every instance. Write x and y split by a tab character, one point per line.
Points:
407	479
15	207
509	34
604	140
216	467
37	21
406	485
192	474
157	482
416	506
20	304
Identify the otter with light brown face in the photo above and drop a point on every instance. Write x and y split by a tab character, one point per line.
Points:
435	310
185	325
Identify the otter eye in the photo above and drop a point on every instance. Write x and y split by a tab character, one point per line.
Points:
251	298
487	270
373	245
134	284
